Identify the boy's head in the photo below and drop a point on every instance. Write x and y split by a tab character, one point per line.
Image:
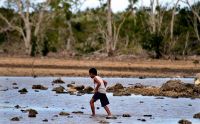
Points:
93	72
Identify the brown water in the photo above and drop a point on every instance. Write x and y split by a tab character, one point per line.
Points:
163	111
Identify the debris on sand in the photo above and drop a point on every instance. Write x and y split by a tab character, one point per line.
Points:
58	81
77	112
17	106
118	90
70	85
139	85
172	88
173	85
59	89
126	115
115	88
88	90
122	93
23	91
32	112
45	120
79	88
64	114
197	115
184	122
15	119
39	87
111	117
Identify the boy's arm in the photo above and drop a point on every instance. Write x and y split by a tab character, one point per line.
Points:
98	85
105	83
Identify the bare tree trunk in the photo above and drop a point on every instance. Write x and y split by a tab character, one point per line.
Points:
195	12
109	40
71	38
196	28
153	24
172	22
26	31
186	45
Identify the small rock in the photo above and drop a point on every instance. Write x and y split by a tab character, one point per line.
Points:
15	87
58	81
70	85
39	87
88	90
77	112
59	89
141	102
173	85
4	89
45	120
138	85
79	94
15	119
98	108
69	116
147	115
115	88
55	116
64	114
122	93
17	107
189	104
143	120
184	122
111	117
73	82
72	93
141	77
23	91
126	115
79	88
37	91
197	115
32	113
159	98
82	108
14	83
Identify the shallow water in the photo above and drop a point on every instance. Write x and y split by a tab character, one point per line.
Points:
163	111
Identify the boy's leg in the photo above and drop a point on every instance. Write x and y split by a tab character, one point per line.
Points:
107	110
92	106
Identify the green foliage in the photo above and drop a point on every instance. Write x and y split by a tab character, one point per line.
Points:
89	29
152	42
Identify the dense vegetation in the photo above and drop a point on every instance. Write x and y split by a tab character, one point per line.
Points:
60	27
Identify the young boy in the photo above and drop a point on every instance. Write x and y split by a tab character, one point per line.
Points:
99	92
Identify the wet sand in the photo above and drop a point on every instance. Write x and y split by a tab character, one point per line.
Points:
48	104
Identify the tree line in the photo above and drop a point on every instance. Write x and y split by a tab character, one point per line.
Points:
59	25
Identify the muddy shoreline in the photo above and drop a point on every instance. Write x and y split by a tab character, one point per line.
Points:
108	68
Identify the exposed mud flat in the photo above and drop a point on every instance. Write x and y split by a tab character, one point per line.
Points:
69	108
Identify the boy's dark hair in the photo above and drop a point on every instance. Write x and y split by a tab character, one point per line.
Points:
93	71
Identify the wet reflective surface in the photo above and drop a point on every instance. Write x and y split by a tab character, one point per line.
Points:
48	103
